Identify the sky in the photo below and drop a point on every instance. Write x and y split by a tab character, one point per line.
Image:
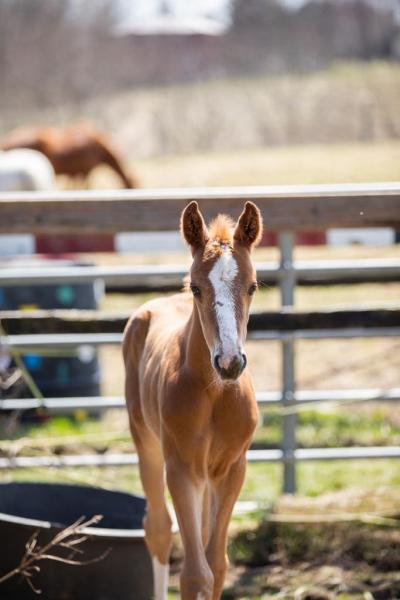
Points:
141	9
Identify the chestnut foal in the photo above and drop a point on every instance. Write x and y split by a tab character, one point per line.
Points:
191	402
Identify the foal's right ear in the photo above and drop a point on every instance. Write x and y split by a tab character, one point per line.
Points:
193	228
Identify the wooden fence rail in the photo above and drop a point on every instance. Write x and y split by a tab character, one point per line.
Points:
284	208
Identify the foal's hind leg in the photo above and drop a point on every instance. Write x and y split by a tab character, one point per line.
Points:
157	522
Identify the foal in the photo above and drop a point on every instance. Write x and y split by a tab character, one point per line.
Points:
190	400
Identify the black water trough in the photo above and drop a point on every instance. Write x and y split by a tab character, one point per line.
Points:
125	573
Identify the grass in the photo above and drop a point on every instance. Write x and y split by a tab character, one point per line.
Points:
263	483
327	427
345	162
300	164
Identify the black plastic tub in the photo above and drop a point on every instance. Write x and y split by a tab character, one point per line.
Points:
126	571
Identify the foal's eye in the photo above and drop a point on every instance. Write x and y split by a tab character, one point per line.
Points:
195	290
252	289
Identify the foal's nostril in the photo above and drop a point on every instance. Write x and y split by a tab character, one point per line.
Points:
216	363
244	358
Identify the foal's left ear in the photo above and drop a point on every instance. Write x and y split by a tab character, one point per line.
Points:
249	227
193	228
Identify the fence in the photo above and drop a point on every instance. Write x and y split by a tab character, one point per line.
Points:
285	210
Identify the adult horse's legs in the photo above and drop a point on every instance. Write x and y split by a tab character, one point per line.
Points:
223	498
187	491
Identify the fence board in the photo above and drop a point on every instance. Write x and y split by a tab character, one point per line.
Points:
293	208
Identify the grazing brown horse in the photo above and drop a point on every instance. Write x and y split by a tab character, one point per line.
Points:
190	400
73	150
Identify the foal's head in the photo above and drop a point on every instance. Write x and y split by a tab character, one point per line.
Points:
223	281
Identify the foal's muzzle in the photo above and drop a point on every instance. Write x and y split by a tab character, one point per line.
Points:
234	369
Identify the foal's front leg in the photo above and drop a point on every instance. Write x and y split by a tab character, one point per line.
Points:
225	491
187	489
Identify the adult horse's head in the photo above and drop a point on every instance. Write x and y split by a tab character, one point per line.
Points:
223	281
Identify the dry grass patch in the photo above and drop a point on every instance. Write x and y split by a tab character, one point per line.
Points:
301	164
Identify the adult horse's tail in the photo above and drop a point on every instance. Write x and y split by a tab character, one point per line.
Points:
110	158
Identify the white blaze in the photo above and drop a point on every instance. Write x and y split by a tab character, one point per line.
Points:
222	276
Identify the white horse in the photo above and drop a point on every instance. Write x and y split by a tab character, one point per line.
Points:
24	170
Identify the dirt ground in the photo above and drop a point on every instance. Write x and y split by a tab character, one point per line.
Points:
342	545
312	582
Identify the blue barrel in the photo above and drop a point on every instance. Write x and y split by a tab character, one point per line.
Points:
58	376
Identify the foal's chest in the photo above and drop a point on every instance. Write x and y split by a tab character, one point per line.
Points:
233	422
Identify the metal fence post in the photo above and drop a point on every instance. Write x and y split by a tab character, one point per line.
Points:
287	285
